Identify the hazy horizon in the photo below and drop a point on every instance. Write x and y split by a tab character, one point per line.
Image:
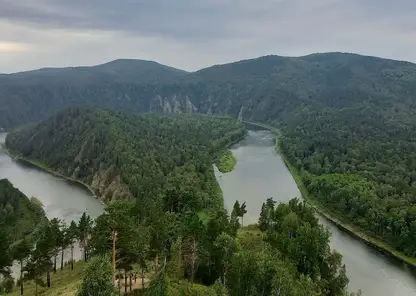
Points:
229	62
192	35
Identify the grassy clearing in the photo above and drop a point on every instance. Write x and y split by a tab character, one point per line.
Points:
250	238
63	283
226	162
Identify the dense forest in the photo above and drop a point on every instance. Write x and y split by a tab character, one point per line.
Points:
347	122
121	155
177	253
156	227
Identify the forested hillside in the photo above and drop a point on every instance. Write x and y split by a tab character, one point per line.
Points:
170	228
18	215
347	122
121	155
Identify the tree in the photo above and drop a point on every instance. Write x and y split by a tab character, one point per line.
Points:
225	248
5	258
176	266
71	236
21	251
114	232
236	209
266	213
40	257
96	278
193	235
64	240
57	239
84	232
242	212
158	286
234	224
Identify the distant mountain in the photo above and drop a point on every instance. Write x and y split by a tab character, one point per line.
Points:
122	70
260	89
347	122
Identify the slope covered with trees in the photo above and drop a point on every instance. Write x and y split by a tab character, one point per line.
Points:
347	123
121	155
18	215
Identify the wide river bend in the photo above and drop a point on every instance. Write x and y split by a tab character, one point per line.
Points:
260	173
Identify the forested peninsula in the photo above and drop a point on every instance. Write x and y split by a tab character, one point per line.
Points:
123	156
168	224
346	125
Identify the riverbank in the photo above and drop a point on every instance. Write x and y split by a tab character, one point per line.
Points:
340	223
47	169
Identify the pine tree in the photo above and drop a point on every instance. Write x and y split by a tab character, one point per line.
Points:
71	236
242	212
21	252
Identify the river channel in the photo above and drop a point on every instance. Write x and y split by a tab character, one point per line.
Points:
61	199
260	173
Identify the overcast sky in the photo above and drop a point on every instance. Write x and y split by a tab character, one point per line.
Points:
192	34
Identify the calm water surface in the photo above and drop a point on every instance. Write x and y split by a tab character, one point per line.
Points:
260	173
61	199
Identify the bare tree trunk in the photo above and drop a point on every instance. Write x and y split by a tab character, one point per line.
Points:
130	280
54	264
125	281
72	257
194	257
48	278
156	262
142	278
113	234
62	258
36	284
21	277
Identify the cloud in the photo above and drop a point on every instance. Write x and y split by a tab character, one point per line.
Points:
192	34
9	47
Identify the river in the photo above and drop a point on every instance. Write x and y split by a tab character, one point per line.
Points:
61	199
260	173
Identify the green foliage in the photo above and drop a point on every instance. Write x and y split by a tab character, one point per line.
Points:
294	232
159	286
337	113
6	285
226	162
5	258
18	215
121	155
96	279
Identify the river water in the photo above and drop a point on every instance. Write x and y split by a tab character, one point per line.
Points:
260	173
61	199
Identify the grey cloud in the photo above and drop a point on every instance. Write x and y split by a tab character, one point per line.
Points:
191	19
193	34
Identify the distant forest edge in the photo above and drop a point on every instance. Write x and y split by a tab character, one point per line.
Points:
122	155
347	123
